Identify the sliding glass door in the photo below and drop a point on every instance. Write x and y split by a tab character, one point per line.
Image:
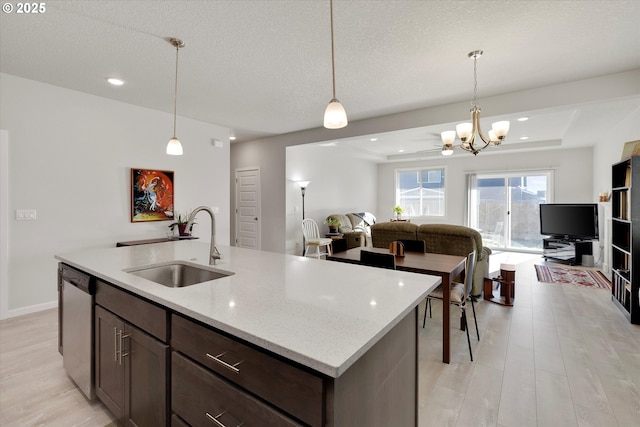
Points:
504	208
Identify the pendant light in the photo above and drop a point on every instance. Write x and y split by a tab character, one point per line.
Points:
174	147
334	116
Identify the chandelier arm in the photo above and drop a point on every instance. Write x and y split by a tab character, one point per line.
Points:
475	119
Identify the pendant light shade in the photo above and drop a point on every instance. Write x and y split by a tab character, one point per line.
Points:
335	117
174	147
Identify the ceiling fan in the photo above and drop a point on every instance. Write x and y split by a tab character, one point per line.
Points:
435	141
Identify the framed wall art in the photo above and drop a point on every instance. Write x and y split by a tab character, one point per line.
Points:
151	195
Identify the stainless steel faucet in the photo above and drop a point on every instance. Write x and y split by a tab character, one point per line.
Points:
214	254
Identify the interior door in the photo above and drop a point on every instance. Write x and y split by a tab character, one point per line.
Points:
248	208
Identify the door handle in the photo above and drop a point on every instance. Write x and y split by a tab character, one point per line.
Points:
115	344
256	218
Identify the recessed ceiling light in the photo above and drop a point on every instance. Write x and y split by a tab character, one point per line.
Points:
401	150
115	82
523	119
373	139
232	138
524	137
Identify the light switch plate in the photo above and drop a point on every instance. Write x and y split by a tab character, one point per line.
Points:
26	214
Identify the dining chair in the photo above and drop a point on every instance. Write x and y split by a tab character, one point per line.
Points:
459	295
414	245
375	259
312	239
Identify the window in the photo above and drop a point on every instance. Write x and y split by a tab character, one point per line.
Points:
420	192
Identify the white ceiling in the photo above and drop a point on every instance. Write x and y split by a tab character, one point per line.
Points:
264	67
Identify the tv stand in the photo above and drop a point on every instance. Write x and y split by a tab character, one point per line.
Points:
565	250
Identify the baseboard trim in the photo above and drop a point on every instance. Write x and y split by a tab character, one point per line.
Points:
28	310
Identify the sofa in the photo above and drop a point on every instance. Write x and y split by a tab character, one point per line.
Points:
355	227
440	239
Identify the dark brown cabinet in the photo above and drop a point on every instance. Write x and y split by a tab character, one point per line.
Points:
209	377
108	359
287	387
132	367
204	399
219	380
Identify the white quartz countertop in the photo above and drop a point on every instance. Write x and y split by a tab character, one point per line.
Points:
321	314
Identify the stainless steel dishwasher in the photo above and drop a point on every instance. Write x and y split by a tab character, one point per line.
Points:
77	312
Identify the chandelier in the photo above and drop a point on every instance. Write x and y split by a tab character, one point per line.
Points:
467	132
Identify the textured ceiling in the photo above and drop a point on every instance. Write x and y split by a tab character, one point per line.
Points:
264	67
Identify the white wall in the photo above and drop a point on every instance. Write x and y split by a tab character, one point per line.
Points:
339	184
606	152
572	176
270	158
70	156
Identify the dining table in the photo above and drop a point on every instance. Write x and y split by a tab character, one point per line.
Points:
448	267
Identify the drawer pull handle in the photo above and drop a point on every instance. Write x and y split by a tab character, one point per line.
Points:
215	419
218	423
225	364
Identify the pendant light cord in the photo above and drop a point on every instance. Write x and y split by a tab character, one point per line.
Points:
333	66
175	95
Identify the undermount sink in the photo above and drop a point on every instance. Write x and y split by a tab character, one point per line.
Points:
178	274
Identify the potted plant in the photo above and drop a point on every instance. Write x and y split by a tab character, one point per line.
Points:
398	211
181	222
333	225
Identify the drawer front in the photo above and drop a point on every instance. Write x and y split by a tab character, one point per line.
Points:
145	315
201	398
176	421
294	390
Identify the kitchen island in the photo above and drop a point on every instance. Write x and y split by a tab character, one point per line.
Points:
349	333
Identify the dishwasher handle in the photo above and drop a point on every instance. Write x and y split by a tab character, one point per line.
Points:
80	280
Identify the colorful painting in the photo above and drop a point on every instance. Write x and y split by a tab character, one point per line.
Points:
151	195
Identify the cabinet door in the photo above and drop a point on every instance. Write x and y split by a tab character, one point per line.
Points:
146	385
109	374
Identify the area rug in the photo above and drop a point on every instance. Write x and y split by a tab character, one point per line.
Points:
574	276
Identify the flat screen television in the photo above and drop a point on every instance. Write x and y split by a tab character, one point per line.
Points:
569	221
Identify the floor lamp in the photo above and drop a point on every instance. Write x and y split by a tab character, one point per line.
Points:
303	186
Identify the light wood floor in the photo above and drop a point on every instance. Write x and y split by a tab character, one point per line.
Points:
562	356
